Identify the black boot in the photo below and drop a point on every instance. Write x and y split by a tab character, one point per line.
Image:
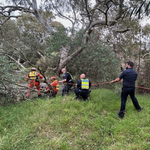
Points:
39	95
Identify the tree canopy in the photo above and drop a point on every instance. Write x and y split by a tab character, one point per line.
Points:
31	35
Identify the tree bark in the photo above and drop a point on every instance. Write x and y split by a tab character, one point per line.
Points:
68	59
38	16
15	61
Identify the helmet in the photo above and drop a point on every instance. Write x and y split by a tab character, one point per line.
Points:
33	69
53	78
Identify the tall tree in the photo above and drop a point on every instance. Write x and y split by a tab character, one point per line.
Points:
82	14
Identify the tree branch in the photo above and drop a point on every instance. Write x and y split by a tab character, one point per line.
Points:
15	61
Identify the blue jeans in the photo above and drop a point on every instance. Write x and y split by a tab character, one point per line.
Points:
124	94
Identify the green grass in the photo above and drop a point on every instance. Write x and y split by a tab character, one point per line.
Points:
65	124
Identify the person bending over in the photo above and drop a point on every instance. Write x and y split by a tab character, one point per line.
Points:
67	80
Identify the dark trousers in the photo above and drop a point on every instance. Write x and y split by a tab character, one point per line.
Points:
66	89
84	94
124	94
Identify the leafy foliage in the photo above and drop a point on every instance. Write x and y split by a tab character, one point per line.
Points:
58	40
7	79
144	79
35	39
97	62
139	7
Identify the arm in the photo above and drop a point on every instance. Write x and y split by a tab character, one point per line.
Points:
53	84
40	76
89	84
79	84
64	80
120	77
116	80
27	78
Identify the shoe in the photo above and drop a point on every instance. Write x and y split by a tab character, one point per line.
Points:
39	95
85	99
76	97
120	116
139	110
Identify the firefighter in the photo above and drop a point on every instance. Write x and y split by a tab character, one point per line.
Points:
55	86
82	88
68	80
33	77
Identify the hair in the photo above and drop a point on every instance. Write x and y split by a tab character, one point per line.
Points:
130	63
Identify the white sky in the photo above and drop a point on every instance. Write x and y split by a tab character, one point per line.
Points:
145	21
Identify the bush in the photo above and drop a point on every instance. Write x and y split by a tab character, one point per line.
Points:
97	62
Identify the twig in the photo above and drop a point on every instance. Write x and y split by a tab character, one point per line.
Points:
45	80
112	137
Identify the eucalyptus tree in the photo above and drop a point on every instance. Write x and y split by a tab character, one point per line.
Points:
83	15
9	40
145	59
132	45
139	8
20	44
88	19
79	13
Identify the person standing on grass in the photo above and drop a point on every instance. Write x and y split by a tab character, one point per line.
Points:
67	80
129	77
34	78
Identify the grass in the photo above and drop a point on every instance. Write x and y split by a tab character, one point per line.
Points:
63	123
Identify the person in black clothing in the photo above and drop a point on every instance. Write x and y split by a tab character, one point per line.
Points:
129	77
68	80
82	88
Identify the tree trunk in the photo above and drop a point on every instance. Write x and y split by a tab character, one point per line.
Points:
38	16
67	60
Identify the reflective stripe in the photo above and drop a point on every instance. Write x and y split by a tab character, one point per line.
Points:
84	84
70	75
57	86
33	75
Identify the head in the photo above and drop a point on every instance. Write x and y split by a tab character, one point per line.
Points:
82	76
63	70
53	78
33	69
129	64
